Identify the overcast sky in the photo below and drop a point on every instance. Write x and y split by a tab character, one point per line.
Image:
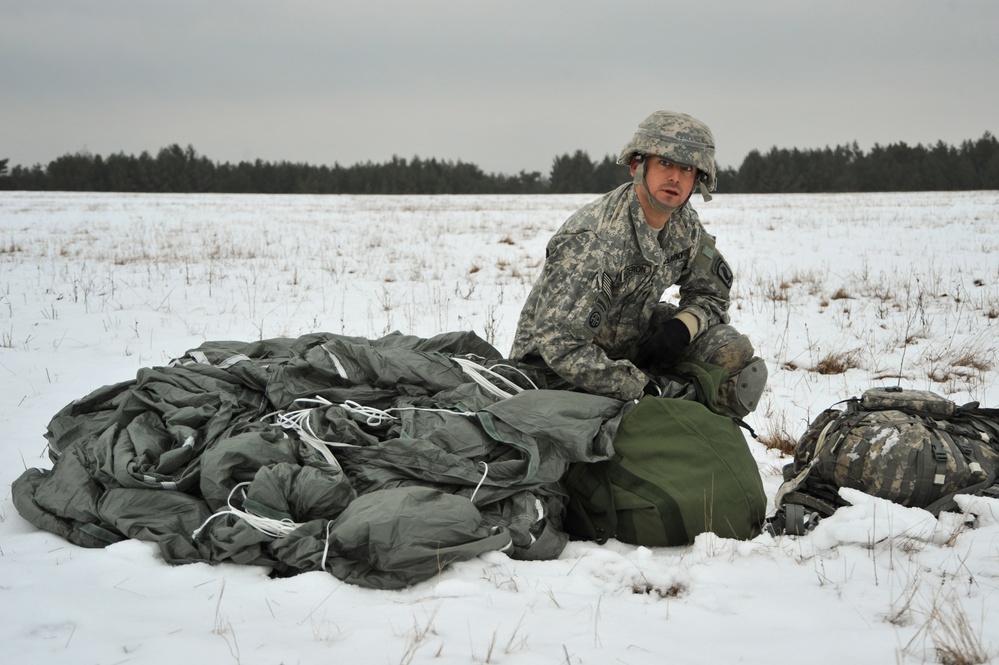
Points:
505	84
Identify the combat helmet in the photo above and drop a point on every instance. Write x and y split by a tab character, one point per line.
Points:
678	137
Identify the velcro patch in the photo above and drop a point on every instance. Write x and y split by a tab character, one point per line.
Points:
605	284
722	270
682	254
596	315
594	320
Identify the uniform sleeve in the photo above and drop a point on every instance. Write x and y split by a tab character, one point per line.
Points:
573	300
705	284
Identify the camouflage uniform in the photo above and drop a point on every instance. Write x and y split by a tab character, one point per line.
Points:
605	272
606	269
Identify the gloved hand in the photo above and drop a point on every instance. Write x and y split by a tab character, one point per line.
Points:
664	348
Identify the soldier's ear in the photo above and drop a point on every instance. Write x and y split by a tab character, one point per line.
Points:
636	159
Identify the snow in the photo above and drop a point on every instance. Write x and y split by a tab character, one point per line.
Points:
900	288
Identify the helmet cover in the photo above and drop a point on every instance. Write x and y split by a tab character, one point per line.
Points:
677	137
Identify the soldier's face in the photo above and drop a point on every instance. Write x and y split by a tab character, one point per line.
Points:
669	182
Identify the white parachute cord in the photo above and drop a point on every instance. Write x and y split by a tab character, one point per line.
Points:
377	417
455	412
519	371
294	414
475	371
336	362
298	421
481	480
271	527
373	417
326	547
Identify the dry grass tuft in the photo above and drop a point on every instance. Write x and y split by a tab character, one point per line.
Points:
781	441
974	361
838	363
841	294
955	641
776	434
778	292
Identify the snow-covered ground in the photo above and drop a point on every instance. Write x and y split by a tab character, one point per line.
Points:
902	288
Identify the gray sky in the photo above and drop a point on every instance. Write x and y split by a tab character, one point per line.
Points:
507	84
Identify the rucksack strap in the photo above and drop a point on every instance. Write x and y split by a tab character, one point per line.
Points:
948	503
798	514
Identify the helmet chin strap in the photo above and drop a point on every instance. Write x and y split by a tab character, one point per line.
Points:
705	194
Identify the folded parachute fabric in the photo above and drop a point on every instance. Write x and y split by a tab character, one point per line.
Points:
375	460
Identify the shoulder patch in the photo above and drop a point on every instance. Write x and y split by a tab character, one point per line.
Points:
601	303
722	271
594	320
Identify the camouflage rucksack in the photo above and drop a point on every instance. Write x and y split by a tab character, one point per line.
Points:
911	447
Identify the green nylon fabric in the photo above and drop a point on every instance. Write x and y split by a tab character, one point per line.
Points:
155	457
679	470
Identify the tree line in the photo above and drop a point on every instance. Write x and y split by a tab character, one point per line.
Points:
896	167
893	168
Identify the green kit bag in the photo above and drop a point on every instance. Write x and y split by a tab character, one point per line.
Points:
679	470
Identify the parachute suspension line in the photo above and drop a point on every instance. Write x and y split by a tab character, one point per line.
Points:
476	371
372	416
326	547
485	473
271	527
378	417
298	421
522	374
336	362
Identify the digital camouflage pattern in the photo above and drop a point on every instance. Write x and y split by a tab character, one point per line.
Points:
910	447
919	401
678	137
604	274
896	456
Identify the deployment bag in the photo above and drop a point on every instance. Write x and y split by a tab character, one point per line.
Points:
679	470
911	447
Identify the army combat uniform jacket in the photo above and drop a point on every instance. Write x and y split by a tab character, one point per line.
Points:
605	272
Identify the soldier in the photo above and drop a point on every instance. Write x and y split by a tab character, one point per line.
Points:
594	321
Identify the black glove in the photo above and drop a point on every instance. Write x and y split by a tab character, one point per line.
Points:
664	348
